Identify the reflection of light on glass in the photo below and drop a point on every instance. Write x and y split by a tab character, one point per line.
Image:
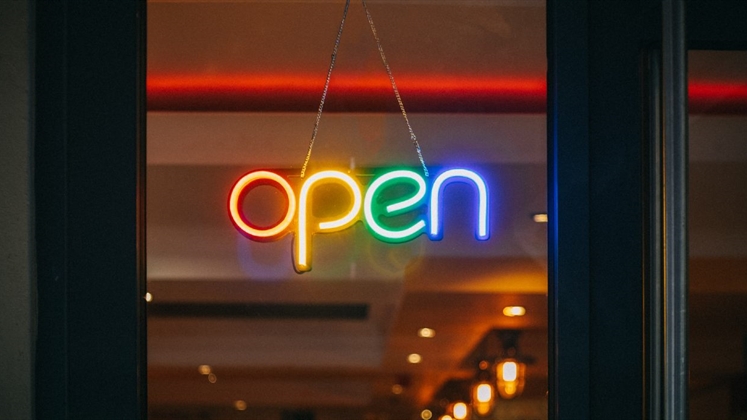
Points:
414	358
212	378
540	217
204	369
514	311
426	414
426	333
240	405
460	411
148	297
397	389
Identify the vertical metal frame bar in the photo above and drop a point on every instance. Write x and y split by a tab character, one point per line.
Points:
674	113
89	92
597	223
654	247
568	210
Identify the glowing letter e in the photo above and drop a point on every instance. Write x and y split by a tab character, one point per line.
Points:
303	236
459	175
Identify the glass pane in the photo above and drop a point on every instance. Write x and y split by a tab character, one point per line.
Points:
718	234
380	327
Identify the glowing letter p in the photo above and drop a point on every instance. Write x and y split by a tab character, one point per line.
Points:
303	235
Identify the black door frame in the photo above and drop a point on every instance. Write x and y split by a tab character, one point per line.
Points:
89	121
604	257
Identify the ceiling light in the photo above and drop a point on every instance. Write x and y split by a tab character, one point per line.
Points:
482	389
512	311
426	332
510	371
460	411
239	405
414	358
511	374
204	369
540	217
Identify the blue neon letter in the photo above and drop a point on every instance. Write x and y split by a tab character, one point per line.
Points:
459	175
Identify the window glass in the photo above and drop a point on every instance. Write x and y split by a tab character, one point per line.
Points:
377	329
718	234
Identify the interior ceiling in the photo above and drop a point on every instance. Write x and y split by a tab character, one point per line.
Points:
278	340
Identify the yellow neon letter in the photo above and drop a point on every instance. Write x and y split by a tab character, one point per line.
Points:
303	253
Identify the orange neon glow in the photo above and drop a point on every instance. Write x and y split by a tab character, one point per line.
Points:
242	187
371	93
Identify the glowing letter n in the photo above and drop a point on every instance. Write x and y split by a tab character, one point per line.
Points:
459	175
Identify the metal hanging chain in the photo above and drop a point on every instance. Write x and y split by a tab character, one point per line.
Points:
326	86
391	79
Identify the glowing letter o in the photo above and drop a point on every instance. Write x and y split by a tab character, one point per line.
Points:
234	203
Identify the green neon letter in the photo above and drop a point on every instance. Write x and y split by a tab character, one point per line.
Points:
372	209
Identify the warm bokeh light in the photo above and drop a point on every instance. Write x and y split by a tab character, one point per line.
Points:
510	375
426	414
512	311
397	389
509	371
460	411
212	378
484	393
148	297
426	333
204	369
446	417
540	217
483	397
414	358
239	405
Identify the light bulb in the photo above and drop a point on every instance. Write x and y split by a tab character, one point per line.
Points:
509	371
510	375
483	398
460	411
512	311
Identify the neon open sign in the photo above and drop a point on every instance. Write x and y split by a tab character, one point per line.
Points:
374	204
